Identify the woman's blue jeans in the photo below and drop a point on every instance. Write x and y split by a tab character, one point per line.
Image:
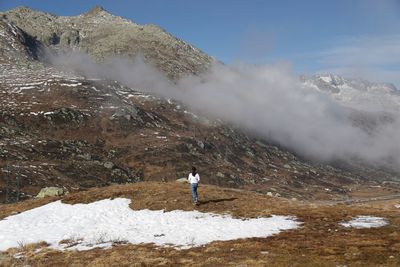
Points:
194	192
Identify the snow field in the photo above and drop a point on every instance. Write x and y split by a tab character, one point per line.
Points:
101	223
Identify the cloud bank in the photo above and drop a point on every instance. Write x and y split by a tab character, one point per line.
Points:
268	100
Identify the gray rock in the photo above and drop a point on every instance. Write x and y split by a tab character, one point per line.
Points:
70	38
200	144
108	165
220	175
85	156
50	192
287	166
118	172
128	113
66	115
250	154
182	180
261	144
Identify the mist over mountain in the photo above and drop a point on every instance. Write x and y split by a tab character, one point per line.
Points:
324	118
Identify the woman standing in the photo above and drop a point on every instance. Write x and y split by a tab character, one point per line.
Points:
194	179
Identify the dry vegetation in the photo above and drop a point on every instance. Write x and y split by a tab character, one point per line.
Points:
319	242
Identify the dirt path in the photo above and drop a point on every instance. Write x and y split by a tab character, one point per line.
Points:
358	200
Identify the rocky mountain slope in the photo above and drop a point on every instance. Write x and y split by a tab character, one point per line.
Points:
62	129
103	35
16	44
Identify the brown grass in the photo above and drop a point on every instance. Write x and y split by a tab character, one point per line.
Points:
320	242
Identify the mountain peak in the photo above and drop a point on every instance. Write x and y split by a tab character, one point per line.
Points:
23	8
104	35
26	13
96	10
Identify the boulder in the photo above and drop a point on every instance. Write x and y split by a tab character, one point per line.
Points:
50	192
85	156
108	165
182	180
220	175
200	144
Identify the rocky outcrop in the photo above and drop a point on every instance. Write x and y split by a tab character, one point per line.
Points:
66	115
15	44
50	192
103	35
182	180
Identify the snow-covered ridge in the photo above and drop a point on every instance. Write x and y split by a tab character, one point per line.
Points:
101	223
356	93
358	84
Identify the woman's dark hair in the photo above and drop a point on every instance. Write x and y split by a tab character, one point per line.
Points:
194	171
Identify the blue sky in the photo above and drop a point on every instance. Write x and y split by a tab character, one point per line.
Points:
349	37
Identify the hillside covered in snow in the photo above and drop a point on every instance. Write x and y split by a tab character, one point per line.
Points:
356	93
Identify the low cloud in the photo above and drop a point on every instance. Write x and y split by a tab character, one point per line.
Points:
267	100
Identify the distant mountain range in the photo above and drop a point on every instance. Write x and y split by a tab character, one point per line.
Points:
356	93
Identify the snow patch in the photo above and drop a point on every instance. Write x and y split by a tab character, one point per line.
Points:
71	84
365	222
26	87
102	223
327	79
